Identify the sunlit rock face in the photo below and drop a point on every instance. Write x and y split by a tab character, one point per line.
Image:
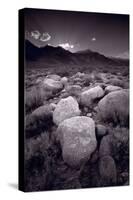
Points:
52	85
90	95
66	108
77	138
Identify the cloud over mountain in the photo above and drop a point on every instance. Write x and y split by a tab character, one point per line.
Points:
66	46
37	35
45	37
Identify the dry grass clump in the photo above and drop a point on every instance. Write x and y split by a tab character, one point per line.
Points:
35	98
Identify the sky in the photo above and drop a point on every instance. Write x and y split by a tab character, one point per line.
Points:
107	34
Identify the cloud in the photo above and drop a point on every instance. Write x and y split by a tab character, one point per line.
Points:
124	55
40	36
35	34
45	37
93	39
66	45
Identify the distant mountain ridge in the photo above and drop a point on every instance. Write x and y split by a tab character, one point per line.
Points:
51	55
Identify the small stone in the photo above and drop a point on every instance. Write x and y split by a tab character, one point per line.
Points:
101	130
85	109
64	81
53	105
89	115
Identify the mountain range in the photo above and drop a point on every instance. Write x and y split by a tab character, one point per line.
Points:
58	55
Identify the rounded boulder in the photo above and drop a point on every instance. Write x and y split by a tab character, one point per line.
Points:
90	95
66	108
52	85
114	107
77	139
112	88
54	77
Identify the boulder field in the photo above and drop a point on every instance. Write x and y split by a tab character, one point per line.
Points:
88	122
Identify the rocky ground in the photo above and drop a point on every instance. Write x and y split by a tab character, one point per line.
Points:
76	130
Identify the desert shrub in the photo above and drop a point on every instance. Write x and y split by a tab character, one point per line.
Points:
125	72
38	172
88	78
120	149
37	144
35	124
97	76
105	70
117	82
36	161
122	155
115	72
35	98
42	161
29	83
63	73
126	85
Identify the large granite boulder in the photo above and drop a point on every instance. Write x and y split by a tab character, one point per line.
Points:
77	139
52	85
54	77
116	81
66	108
114	107
90	95
112	88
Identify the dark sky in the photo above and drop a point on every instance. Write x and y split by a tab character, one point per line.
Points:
75	31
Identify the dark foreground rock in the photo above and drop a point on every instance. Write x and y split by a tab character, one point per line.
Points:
107	170
115	144
101	130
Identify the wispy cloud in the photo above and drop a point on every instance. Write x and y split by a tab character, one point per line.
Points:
35	34
124	55
66	45
45	37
